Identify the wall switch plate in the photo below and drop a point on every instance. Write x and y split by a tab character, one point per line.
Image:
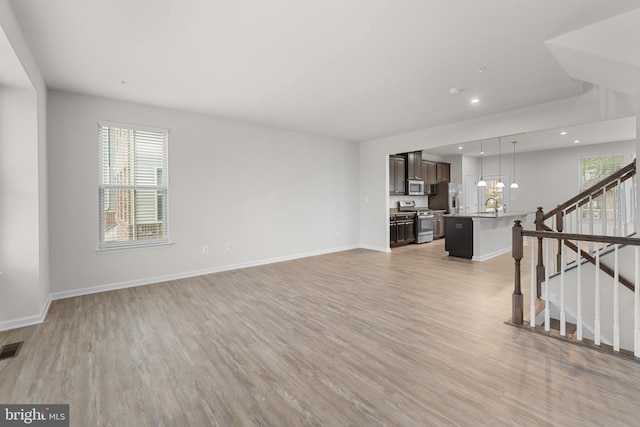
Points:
205	250
228	247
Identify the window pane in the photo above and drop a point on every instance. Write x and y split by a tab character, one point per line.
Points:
135	215
133	185
495	192
592	171
595	169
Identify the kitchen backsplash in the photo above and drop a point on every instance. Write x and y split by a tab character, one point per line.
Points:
421	201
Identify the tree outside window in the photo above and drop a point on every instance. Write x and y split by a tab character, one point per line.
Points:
594	170
501	195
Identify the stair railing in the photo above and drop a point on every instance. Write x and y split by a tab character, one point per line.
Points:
570	216
541	239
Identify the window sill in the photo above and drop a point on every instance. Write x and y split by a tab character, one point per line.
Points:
134	247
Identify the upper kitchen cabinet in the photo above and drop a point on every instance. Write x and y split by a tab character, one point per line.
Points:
414	165
429	176
397	177
443	171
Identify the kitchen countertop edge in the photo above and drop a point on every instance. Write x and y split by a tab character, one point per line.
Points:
507	214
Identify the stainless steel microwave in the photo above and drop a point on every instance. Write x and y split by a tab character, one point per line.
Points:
415	187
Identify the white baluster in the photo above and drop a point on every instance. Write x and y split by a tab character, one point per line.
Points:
532	305
616	303
579	294
590	222
615	211
620	194
604	212
636	307
625	192
579	216
547	317
633	206
596	322
563	267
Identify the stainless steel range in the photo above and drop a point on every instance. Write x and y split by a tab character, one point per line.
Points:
424	220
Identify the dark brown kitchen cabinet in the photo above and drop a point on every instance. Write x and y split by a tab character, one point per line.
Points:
414	165
443	171
402	229
406	228
438	225
429	176
397	178
393	231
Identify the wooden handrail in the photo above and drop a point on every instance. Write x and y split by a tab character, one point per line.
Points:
605	268
631	241
517	252
609	182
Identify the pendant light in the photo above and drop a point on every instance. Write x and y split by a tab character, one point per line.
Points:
500	184
482	182
514	184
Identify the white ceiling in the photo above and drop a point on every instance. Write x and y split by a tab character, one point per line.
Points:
350	69
549	139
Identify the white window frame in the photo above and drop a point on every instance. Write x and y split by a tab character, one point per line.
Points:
103	187
483	191
623	163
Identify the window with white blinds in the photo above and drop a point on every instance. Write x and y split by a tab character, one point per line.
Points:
133	187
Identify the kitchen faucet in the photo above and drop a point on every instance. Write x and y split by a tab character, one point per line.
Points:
495	205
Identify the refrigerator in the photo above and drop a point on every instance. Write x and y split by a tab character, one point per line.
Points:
448	196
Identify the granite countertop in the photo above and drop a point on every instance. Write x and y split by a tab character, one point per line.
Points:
491	215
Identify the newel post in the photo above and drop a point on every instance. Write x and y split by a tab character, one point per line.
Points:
540	267
560	229
517	251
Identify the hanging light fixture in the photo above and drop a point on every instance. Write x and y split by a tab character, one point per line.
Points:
482	182
500	184
514	184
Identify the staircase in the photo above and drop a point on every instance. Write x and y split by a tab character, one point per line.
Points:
582	284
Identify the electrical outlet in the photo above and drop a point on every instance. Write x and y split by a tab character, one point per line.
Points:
337	234
205	250
228	247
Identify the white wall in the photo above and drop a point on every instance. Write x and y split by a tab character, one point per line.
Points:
24	248
550	177
595	105
271	194
19	219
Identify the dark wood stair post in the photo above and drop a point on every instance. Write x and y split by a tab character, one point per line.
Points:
559	229
540	267
517	251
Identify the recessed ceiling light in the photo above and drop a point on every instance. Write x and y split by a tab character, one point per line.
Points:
455	90
475	100
576	141
564	132
459	148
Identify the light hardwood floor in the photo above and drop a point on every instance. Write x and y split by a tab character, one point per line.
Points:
358	338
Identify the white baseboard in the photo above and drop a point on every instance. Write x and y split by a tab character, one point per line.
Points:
375	248
491	255
187	274
27	321
34	320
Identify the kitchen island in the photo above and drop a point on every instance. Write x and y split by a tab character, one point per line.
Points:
482	235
